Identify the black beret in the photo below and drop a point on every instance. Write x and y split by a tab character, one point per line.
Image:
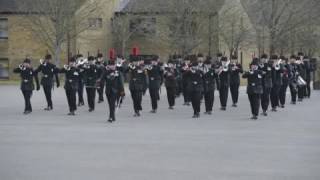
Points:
27	61
283	57
200	55
293	56
306	57
100	55
300	54
264	56
255	61
219	55
73	59
234	57
90	58
208	61
224	58
48	56
194	63
272	57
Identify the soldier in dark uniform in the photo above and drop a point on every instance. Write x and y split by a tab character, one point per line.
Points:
224	82
309	69
171	82
185	80
90	76
195	86
178	68
236	69
301	69
285	82
210	79
81	83
101	66
71	84
48	71
254	88
292	71
277	71
137	83
266	66
155	79
27	86
114	87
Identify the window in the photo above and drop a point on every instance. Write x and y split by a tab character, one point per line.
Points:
143	26
95	23
3	28
4	68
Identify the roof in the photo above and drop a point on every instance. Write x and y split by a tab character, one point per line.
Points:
7	6
159	6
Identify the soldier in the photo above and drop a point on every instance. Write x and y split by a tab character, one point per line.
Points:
292	71
277	70
178	68
27	86
137	83
236	69
210	79
171	82
301	69
48	70
266	66
309	70
195	86
114	87
224	81
285	82
71	84
155	79
185	80
254	88
100	65
81	83
90	75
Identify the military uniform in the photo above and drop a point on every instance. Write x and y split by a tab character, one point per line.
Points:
254	89
185	82
114	87
48	71
71	86
90	75
210	79
170	79
236	69
276	85
155	79
27	75
195	88
137	86
284	86
100	89
292	70
224	83
309	70
267	86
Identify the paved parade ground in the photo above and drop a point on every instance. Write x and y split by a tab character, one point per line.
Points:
169	145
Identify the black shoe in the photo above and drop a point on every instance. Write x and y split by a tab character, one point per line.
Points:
171	108
196	116
100	101
26	112
90	110
282	106
223	108
254	117
274	109
293	103
153	111
110	120
265	113
71	113
234	105
49	108
136	114
81	104
300	100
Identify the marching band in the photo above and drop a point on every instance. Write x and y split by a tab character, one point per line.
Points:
193	76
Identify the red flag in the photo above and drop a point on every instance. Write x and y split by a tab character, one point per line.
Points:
112	54
135	51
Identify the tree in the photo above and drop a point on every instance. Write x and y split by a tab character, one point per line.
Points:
55	22
274	20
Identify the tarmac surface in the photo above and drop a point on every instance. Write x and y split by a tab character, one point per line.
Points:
169	145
